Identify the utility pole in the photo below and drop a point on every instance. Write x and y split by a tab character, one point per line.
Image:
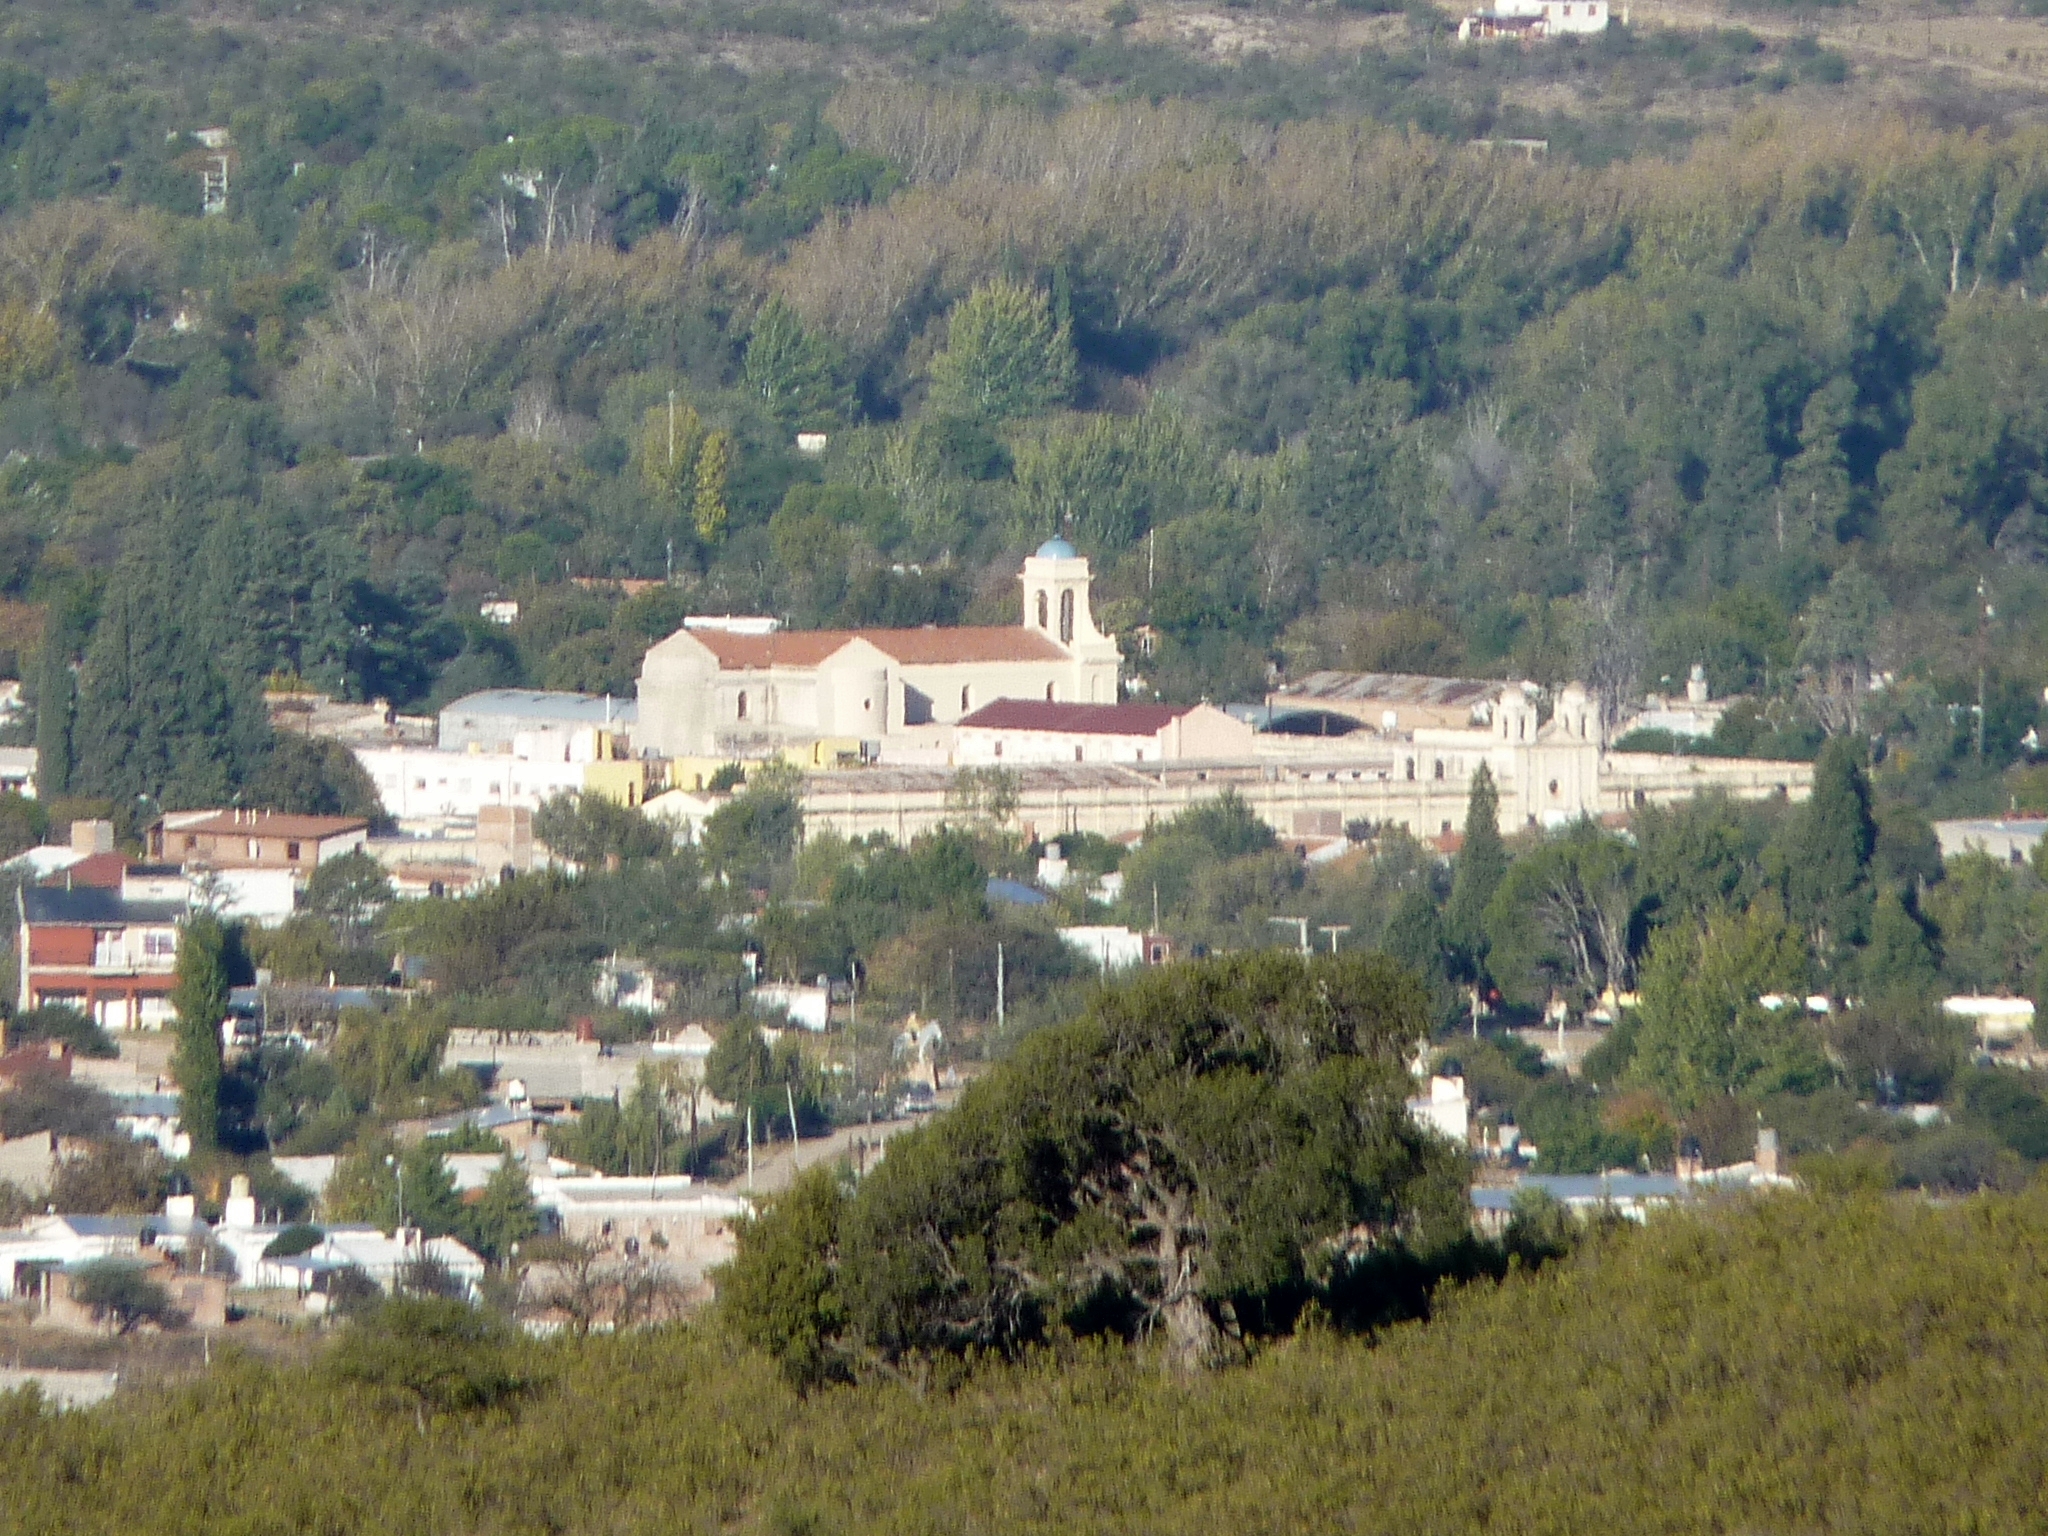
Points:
999	986
1986	615
1299	922
1333	929
796	1137
750	1149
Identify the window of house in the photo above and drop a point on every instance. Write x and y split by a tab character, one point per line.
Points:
159	946
291	851
1066	618
966	694
191	843
1041	610
1411	767
1553	786
999	749
255	849
741	712
1048	693
1439	768
1447	829
1077	754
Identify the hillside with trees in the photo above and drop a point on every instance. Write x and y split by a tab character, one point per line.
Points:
1738	372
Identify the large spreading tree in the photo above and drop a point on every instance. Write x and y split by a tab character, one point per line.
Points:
1194	1157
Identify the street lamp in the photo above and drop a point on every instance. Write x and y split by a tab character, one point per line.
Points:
398	1181
1333	929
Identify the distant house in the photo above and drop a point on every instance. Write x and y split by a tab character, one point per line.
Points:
58	1242
1027	731
1534	20
528	722
382	1257
239	839
93	950
2008	839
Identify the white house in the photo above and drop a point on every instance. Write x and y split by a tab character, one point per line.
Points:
1535	19
426	783
1445	1109
56	1242
1019	731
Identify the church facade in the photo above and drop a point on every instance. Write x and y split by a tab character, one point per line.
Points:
708	692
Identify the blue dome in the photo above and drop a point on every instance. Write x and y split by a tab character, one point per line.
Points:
1056	549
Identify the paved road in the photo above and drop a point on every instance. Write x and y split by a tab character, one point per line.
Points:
773	1168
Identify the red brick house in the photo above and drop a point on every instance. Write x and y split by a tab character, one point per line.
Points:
87	948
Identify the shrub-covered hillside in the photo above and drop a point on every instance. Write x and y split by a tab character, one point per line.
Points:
1799	1366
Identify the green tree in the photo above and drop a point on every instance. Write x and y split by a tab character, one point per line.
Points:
791	371
1826	853
591	831
349	892
503	1214
670	436
755	833
739	1064
1900	960
120	1292
1181	1157
778	1293
199	996
714	465
1481	865
367	1184
1415	936
1702	1030
1006	355
436	1354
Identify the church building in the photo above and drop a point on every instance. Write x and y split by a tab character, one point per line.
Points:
708	692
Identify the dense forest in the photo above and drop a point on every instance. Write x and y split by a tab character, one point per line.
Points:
1740	371
1802	1364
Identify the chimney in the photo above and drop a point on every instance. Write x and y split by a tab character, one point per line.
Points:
1767	1151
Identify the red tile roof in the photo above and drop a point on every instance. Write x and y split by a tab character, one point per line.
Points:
100	870
1075	719
912	647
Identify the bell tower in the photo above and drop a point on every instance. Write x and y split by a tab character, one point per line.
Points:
1056	582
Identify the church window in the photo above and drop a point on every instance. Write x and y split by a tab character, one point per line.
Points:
1066	618
1048	693
966	695
1439	768
741	710
1041	610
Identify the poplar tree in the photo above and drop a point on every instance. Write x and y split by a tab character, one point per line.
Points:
714	463
1482	864
200	998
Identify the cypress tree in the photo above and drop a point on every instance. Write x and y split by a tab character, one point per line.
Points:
200	997
1827	855
1482	864
54	703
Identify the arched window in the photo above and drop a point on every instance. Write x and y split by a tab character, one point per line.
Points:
1041	610
1066	618
1048	693
965	695
741	712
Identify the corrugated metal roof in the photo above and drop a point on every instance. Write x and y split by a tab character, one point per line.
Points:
544	705
1393	688
1075	719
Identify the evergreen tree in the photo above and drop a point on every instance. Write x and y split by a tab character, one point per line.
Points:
1814	488
1828	851
669	438
1005	355
55	706
503	1214
1900	959
791	371
200	998
739	1063
1482	864
1415	936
